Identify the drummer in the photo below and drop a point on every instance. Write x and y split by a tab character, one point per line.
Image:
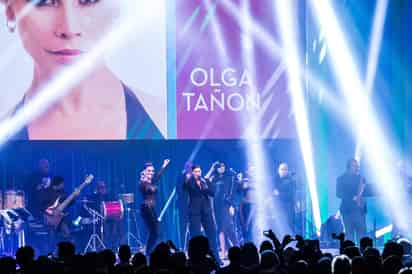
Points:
112	231
99	195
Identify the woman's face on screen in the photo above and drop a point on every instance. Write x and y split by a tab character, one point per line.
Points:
58	32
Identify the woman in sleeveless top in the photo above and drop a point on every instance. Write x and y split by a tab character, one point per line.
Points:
61	35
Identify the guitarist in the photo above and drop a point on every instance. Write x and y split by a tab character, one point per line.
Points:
48	198
350	188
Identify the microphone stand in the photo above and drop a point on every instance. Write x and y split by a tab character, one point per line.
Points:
129	235
95	240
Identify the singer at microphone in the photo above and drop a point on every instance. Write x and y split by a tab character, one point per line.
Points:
201	192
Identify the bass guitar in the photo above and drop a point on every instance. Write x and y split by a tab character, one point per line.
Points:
54	214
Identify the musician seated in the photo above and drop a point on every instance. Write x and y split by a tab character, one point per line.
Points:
99	195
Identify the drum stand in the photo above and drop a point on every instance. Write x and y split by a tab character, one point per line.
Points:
130	236
95	241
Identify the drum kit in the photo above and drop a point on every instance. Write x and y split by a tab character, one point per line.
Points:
111	210
12	199
13	214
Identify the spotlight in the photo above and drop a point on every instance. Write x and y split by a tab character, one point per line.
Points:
285	13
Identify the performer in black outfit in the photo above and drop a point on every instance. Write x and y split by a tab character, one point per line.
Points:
350	188
182	201
47	197
148	207
223	205
285	190
201	192
38	181
247	208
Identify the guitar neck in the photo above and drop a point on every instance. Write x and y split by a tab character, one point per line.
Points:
71	197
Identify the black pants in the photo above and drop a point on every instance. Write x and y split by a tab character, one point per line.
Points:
247	227
152	224
355	224
183	225
203	217
288	214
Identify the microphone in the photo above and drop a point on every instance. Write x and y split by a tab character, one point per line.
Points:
233	171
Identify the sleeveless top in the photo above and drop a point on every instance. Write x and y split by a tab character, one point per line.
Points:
139	123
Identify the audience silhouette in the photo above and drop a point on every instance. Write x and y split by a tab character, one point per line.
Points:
292	255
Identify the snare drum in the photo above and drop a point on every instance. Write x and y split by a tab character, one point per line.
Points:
14	199
112	210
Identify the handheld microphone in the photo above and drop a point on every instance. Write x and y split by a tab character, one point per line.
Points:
233	171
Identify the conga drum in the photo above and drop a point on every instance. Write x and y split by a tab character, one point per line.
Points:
14	199
20	199
112	210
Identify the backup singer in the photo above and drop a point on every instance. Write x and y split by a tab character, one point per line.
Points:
201	192
247	208
223	205
148	207
350	188
285	190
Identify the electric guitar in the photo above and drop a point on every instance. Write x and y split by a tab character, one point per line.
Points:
54	214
